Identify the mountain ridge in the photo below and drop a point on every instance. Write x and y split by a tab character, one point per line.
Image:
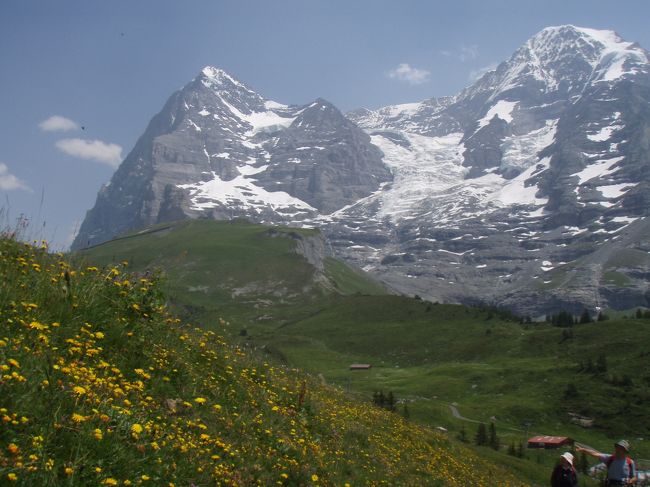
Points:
472	197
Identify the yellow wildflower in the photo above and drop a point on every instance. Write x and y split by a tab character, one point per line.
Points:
200	400
12	477
78	418
78	390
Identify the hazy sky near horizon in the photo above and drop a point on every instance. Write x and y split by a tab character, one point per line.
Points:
109	66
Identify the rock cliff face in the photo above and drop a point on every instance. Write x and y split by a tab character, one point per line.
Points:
218	149
529	189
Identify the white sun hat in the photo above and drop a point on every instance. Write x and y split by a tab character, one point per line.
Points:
568	457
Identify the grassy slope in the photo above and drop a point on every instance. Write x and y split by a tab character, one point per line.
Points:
101	386
204	261
435	355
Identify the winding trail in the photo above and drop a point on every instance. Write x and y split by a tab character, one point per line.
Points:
456	414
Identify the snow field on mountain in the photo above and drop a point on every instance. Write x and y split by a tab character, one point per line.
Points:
501	109
240	192
430	173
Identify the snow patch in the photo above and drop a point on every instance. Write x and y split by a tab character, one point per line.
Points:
600	168
615	190
501	109
239	192
261	121
605	133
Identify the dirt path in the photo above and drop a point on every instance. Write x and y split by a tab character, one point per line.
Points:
456	414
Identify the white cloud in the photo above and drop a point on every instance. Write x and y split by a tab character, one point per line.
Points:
405	72
95	150
467	53
57	123
463	53
10	182
475	74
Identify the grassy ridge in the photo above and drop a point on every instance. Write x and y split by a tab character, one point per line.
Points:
100	385
232	268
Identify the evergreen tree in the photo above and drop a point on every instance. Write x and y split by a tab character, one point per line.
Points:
462	434
406	413
481	438
512	451
563	318
585	317
639	313
390	401
494	439
571	391
601	363
520	450
602	316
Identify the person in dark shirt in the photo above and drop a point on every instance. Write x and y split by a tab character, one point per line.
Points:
564	474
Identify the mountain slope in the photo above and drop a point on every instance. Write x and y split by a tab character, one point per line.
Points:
101	386
541	161
212	267
469	198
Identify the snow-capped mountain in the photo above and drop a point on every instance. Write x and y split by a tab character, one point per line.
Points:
218	149
529	189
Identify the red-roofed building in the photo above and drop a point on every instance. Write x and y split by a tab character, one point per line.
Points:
549	441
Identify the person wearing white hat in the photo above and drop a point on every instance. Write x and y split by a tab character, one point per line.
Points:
564	474
621	469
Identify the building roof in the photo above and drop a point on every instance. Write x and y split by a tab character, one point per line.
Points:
550	440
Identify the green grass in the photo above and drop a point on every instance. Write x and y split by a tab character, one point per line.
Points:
101	385
616	278
431	355
350	281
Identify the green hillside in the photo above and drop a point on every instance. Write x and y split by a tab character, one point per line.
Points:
236	268
100	385
530	378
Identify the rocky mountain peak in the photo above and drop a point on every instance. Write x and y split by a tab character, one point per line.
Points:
217	78
563	60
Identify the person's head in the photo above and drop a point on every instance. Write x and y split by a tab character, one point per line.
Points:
622	448
566	460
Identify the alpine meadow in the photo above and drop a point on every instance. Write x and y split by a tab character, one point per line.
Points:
337	244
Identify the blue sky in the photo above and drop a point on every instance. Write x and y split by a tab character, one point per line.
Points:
109	66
